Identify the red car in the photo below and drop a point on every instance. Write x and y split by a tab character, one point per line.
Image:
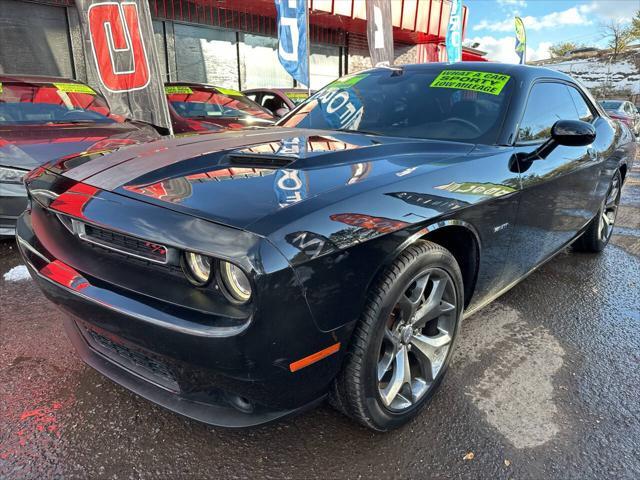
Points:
624	111
47	118
199	107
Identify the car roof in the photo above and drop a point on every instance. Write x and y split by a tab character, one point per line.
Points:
7	77
192	84
277	90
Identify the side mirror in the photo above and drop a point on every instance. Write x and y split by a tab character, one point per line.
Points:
573	133
570	133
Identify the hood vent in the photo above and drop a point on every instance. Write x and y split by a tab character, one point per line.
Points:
262	160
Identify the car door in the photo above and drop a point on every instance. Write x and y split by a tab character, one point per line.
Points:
560	192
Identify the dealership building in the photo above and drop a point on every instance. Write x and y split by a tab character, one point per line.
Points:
227	43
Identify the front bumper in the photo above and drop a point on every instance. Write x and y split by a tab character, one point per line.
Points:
231	376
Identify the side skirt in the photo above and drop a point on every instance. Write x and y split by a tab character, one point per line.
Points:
564	246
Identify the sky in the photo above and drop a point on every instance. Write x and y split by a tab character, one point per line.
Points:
547	22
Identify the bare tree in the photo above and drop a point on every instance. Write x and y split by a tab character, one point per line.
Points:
618	35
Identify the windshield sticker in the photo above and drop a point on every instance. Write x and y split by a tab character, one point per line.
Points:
0	87
74	88
177	89
473	188
484	82
297	95
230	91
347	82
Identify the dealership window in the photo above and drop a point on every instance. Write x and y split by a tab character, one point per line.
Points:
325	65
259	63
206	55
161	49
34	39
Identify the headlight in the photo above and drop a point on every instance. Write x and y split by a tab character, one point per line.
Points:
11	175
197	268
235	282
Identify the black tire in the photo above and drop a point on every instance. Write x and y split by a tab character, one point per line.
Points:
356	390
597	235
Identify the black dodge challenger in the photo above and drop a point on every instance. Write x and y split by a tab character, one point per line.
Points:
239	277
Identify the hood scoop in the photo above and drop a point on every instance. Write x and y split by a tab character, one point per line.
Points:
260	160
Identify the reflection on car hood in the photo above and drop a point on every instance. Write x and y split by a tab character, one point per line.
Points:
30	146
236	178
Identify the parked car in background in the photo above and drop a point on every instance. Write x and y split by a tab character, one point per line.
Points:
45	118
278	101
199	107
624	111
240	277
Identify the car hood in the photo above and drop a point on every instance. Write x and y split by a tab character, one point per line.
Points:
29	147
237	178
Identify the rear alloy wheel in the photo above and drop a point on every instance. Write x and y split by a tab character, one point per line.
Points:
402	346
599	232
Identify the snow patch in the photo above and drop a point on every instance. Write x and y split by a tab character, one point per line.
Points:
17	274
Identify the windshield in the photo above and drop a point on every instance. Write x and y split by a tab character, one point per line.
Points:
610	105
195	102
57	103
432	104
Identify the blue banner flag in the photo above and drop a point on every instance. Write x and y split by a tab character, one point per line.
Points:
292	38
454	32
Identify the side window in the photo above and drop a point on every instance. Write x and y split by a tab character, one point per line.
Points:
584	112
548	102
272	102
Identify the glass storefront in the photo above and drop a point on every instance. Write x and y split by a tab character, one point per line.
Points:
325	65
206	55
231	59
187	52
158	37
34	39
259	63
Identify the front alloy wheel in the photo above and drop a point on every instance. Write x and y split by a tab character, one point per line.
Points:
401	347
417	339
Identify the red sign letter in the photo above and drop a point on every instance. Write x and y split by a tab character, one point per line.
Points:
116	39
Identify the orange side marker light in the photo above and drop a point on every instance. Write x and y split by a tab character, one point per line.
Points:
314	357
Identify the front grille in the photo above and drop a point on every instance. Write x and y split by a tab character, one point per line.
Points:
122	243
140	363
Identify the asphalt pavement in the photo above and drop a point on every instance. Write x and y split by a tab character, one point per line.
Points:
545	384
